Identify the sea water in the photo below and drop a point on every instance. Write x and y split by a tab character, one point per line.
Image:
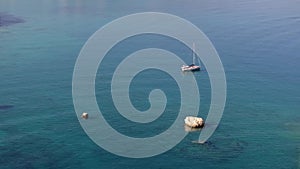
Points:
258	43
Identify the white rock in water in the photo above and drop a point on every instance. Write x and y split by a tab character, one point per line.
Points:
194	122
85	115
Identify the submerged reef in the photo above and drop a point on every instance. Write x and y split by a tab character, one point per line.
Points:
8	19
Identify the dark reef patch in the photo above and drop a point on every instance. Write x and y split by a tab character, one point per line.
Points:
34	151
8	19
218	150
5	107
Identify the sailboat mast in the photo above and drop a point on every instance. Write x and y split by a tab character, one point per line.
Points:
194	53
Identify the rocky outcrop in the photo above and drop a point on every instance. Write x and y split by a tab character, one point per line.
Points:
194	122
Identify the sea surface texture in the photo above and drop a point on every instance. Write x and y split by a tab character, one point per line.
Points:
258	43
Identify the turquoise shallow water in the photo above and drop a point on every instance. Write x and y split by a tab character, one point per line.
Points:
258	43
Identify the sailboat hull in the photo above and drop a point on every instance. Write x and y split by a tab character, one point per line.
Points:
190	68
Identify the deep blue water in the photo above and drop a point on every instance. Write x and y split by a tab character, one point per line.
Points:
258	43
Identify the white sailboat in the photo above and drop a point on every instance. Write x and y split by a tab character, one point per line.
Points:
191	67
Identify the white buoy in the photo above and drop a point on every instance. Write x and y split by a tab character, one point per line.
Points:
85	115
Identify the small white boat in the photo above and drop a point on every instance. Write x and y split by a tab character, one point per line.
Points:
194	122
191	67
